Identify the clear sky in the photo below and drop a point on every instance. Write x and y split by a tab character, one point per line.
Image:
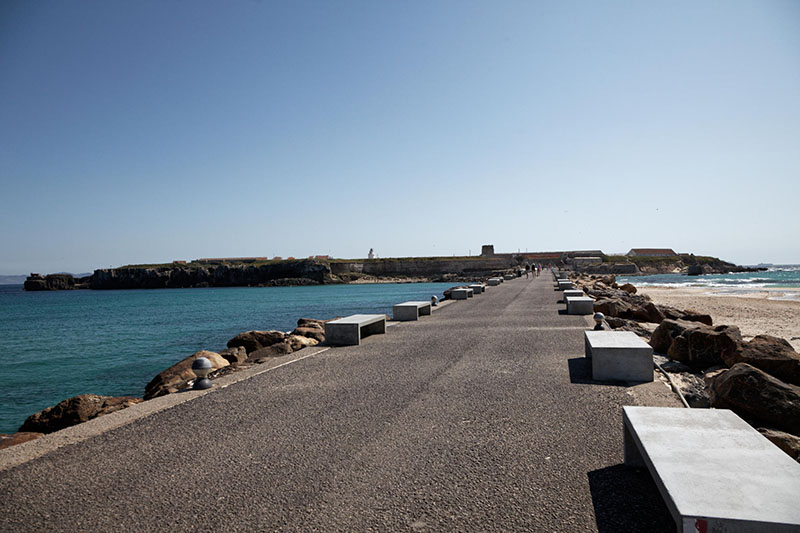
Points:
148	131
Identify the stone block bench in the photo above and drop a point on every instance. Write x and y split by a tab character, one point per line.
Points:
714	471
494	282
565	284
350	330
509	277
575	293
619	356
461	294
477	288
410	310
580	305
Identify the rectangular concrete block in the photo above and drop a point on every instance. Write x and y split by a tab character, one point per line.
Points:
575	293
350	330
619	356
509	277
410	310
580	305
714	471
494	282
477	288
564	285
459	294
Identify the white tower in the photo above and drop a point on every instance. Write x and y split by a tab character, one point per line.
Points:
371	254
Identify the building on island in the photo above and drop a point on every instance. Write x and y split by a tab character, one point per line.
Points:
651	252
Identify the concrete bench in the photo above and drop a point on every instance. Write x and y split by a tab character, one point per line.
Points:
494	282
564	285
714	471
350	330
580	305
575	293
461	294
619	356
509	277
476	288
410	310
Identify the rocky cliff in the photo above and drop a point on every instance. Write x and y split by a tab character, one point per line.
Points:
303	272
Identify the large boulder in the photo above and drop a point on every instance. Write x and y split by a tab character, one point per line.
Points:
694	316
262	355
648	312
311	323
74	411
755	395
6	441
255	340
624	324
311	328
773	355
180	374
667	331
613	307
785	441
628	288
234	355
705	346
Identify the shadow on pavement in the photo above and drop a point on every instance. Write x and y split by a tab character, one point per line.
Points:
627	499
580	371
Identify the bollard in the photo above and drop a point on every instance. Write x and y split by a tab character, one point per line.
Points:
201	367
434	301
598	318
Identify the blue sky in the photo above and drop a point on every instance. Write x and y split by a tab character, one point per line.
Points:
137	132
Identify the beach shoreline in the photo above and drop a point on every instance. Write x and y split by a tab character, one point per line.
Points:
774	311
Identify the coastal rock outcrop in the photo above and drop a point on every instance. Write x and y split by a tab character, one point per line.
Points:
255	340
705	346
770	354
234	355
755	395
74	411
180	374
311	328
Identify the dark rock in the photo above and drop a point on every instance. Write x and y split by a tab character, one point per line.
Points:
785	441
693	316
667	331
6	441
179	375
613	307
51	282
773	355
262	355
694	270
624	324
255	340
755	395
234	355
74	411
629	288
647	313
670	312
705	346
298	342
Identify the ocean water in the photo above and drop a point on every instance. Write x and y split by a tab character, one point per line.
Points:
775	279
55	345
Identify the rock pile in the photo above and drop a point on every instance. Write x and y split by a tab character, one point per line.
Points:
713	365
245	349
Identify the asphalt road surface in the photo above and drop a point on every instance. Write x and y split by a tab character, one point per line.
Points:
481	417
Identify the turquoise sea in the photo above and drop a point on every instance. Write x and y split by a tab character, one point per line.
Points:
55	345
783	280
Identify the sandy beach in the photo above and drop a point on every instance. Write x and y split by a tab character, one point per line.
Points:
756	313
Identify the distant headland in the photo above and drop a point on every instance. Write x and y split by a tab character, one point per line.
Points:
322	270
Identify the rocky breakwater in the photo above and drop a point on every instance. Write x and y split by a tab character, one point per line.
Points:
711	364
243	351
280	273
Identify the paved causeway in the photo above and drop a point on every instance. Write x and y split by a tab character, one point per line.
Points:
480	417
